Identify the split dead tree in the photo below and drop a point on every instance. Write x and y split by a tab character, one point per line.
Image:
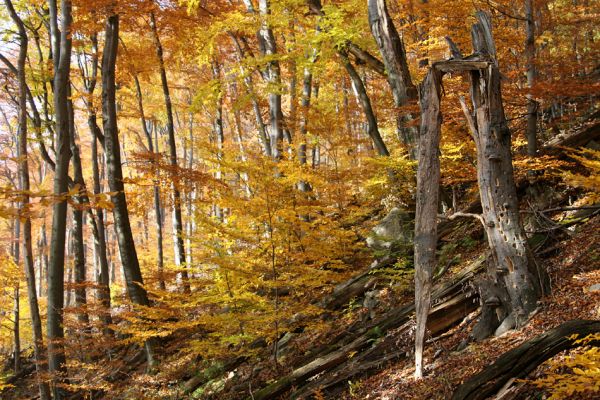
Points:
514	282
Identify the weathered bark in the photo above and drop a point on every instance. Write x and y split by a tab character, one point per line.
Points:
180	258
532	105
524	359
127	251
218	136
392	50
516	268
61	50
23	170
156	189
428	183
365	102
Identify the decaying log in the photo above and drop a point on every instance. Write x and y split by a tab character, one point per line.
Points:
590	130
370	347
522	360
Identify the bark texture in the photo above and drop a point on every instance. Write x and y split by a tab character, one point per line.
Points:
61	49
524	359
24	186
428	185
127	251
180	259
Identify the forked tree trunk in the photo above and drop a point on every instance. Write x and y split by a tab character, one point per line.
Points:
514	282
129	259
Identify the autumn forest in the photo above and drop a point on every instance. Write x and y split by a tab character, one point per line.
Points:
299	199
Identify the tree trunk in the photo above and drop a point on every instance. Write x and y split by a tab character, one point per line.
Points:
268	47
428	184
363	97
392	50
177	217
129	259
100	247
156	189
15	233
61	49
79	267
515	266
532	105
23	170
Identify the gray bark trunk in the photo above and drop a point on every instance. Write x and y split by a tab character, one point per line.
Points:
79	267
363	97
23	170
156	189
392	50
532	105
129	259
61	46
177	216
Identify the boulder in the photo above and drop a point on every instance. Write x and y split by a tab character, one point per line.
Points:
394	232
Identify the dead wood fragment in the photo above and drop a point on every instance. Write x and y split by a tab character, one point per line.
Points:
522	360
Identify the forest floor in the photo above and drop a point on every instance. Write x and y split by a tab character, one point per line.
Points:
574	268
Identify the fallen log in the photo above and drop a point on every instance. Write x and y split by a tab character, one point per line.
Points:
371	345
522	360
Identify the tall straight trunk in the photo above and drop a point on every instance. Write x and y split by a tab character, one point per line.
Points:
16	332
532	106
61	46
156	189
392	50
428	184
79	268
24	186
177	217
363	97
219	135
129	259
15	233
90	79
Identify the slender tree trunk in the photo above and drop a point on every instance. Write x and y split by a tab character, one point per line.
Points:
532	106
79	267
428	184
129	259
392	50
177	216
15	233
363	97
24	211
156	189
61	48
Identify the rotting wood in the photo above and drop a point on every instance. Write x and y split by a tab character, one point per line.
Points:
364	344
522	360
